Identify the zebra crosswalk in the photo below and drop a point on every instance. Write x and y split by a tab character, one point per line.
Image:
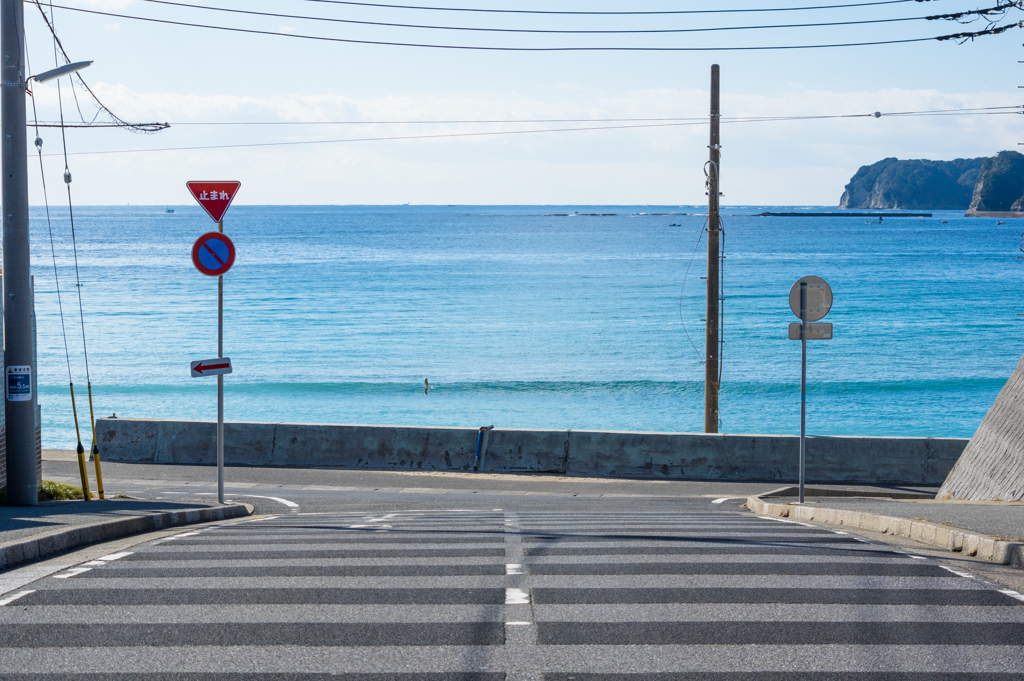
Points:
602	592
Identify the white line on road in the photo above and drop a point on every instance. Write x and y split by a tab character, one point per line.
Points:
11	599
72	572
724	499
1012	594
783	520
956	572
513	569
516	597
117	556
289	504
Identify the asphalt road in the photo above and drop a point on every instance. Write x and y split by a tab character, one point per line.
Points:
487	584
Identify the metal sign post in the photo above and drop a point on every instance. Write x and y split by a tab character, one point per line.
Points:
803	385
213	254
810	299
220	379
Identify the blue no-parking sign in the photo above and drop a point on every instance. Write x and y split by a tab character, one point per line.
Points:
213	254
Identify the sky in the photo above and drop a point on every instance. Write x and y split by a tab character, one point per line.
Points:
194	77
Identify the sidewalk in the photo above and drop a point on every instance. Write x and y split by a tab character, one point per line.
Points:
989	530
34	532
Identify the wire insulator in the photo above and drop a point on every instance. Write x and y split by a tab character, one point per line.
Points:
67	177
39	143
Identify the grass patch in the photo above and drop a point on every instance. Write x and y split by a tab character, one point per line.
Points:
58	491
50	491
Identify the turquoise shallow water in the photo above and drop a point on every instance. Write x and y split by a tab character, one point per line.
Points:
523	319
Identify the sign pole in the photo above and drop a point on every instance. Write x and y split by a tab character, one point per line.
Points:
803	385
220	382
213	254
808	311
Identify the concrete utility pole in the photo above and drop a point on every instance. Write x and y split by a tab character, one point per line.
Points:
22	485
711	343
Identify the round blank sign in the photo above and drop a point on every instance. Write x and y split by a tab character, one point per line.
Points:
819	298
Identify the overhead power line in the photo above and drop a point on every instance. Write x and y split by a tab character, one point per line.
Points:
622	13
115	120
1016	110
558	31
963	36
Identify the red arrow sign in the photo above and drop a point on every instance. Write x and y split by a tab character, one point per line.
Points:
214	197
211	367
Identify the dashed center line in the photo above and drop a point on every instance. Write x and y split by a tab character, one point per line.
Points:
516	597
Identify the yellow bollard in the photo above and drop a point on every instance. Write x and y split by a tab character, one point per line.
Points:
81	450
95	447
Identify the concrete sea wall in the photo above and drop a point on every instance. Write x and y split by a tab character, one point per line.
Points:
992	465
698	456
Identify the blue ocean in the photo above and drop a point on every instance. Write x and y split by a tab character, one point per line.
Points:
565	317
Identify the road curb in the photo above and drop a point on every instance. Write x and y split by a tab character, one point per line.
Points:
26	550
953	539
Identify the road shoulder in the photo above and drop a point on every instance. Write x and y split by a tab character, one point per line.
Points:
942	535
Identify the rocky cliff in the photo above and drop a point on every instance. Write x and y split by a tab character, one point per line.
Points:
1000	184
914	184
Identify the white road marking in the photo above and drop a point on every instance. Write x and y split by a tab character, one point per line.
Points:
838	532
783	520
724	499
1009	592
117	556
517	624
910	555
516	597
513	569
289	504
956	572
72	572
11	599
94	563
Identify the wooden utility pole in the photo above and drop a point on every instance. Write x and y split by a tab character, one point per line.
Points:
711	344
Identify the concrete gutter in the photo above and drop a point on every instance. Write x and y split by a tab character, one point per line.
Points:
953	539
51	543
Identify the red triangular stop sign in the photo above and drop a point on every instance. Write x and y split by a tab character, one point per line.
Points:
214	197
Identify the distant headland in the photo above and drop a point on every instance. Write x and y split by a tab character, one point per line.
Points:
984	187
